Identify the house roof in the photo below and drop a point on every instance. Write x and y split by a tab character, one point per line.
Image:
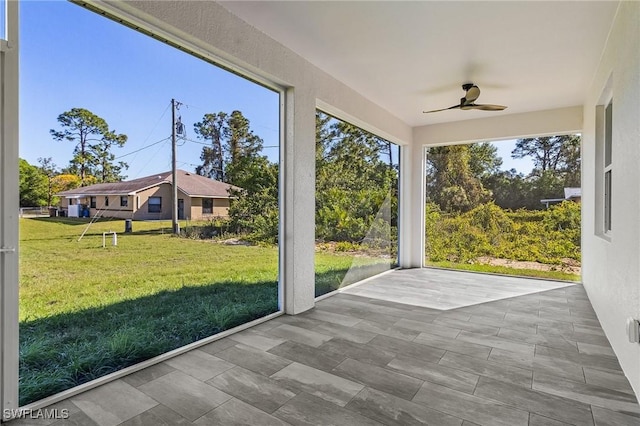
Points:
570	193
189	183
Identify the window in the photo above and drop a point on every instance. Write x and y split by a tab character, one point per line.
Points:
92	203
608	137
207	205
106	201
124	201
155	204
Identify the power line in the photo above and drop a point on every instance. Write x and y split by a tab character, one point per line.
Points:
143	148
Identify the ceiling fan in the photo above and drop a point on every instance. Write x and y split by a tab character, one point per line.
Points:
473	92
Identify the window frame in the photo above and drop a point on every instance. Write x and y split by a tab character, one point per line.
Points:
92	202
124	201
209	209
106	201
608	167
159	204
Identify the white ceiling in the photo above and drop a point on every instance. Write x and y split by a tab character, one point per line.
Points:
412	56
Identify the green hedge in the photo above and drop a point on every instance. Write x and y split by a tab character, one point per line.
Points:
543	236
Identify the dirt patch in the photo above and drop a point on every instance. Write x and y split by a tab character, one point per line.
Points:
568	265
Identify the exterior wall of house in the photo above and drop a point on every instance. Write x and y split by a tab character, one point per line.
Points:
112	208
208	26
220	209
141	201
610	263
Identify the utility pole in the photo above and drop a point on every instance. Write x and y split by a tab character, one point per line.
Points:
174	181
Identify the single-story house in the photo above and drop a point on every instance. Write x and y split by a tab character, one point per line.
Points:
149	198
570	194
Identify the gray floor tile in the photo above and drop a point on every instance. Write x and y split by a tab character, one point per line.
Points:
336	330
379	355
587	394
158	416
237	413
552	341
113	403
496	342
615	380
308	355
148	374
590	349
428	327
332	317
218	345
309	410
538	420
514	325
253	359
184	394
469	407
260	391
379	378
466	325
454	345
604	417
76	419
402	347
585	360
319	383
497	370
198	364
257	340
300	335
391	410
435	373
544	364
387	330
537	402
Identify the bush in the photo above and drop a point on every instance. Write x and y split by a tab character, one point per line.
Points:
547	236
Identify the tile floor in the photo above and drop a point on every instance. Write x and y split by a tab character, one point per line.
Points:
538	358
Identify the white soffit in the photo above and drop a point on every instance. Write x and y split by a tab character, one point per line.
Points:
413	56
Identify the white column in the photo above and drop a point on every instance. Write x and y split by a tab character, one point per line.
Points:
9	200
412	207
299	202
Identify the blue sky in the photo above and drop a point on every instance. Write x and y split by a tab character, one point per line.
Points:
71	57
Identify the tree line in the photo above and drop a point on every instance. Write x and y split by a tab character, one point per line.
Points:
462	177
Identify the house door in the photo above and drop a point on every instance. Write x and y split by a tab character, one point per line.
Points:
180	209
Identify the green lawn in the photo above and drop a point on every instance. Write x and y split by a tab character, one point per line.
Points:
504	270
86	311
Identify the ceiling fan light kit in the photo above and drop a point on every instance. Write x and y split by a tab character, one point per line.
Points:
467	102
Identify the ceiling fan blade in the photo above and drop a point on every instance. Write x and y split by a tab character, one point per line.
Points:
472	94
443	109
484	107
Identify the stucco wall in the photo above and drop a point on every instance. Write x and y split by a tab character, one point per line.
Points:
611	268
142	203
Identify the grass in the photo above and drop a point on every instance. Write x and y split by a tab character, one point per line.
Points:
87	311
503	270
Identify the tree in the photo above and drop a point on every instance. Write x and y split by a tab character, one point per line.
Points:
49	170
33	185
355	184
93	141
213	127
451	182
106	169
559	154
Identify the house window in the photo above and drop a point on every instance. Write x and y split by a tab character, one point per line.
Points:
207	205
608	137
92	203
106	201
155	204
124	201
